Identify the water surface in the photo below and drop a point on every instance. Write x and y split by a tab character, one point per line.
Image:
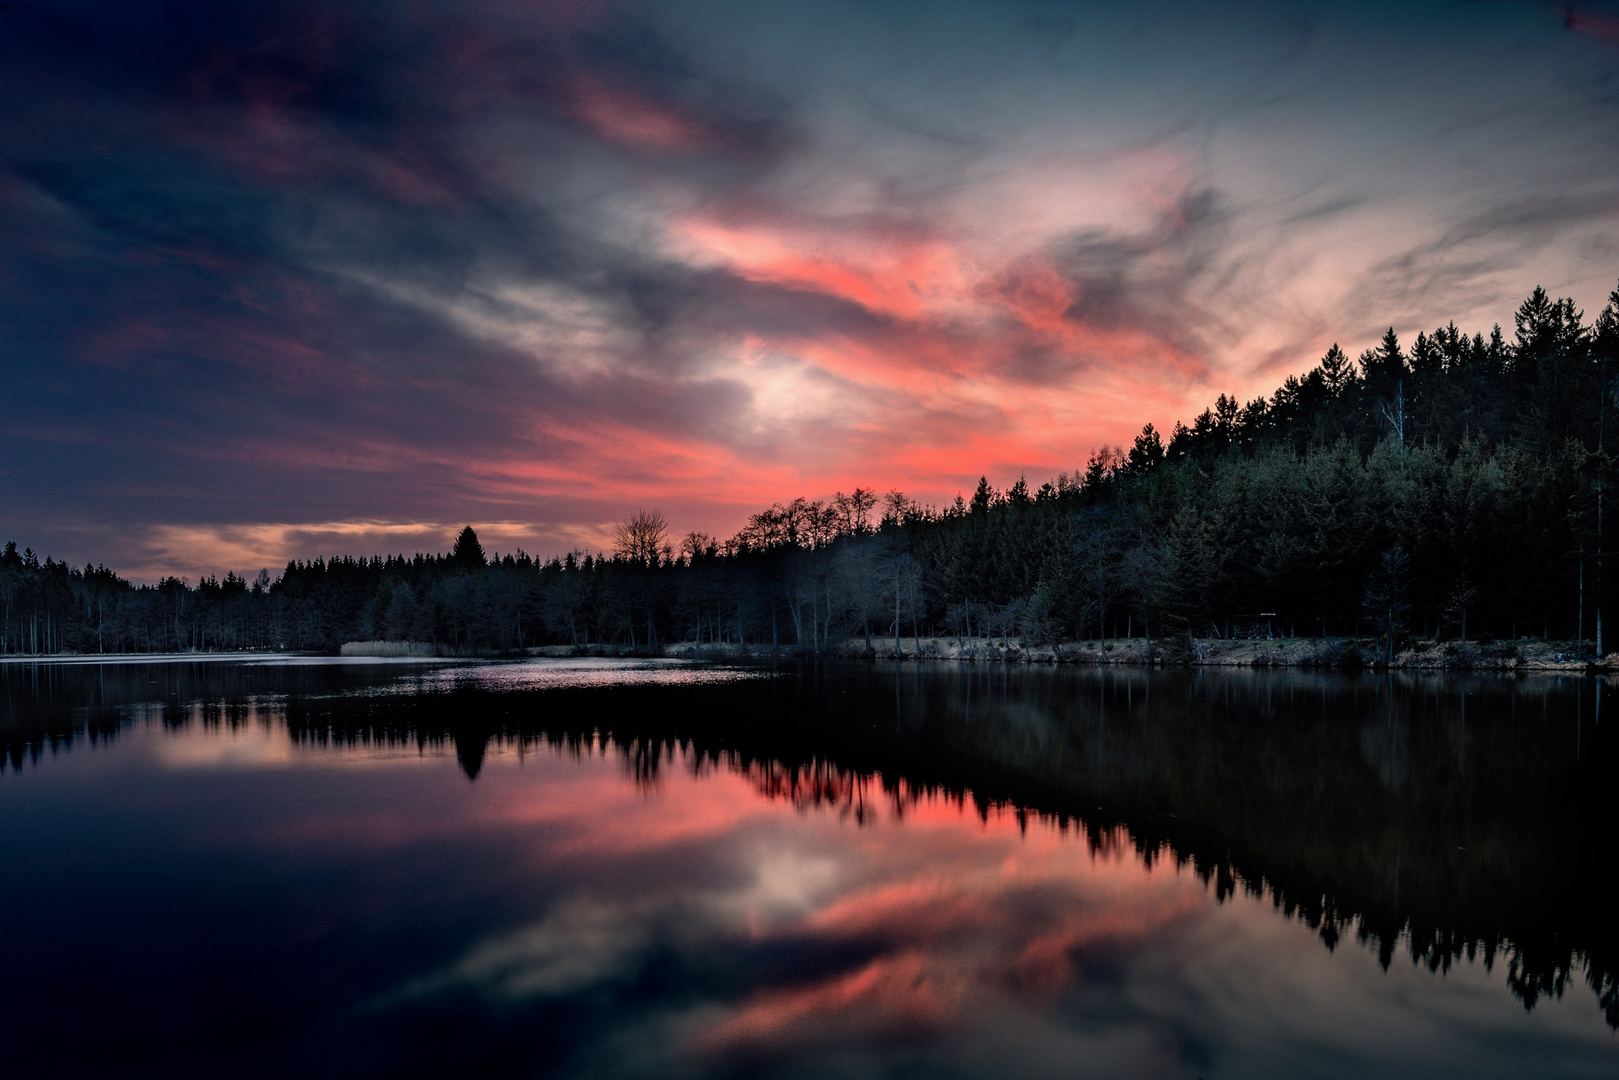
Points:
591	868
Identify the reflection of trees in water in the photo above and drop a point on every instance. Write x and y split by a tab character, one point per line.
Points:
1447	818
49	708
1444	818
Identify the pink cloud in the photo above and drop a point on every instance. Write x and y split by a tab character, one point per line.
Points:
634	120
904	993
1591	23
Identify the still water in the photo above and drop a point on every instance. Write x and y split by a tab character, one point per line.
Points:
650	869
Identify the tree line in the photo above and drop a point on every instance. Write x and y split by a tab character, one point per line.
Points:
1453	488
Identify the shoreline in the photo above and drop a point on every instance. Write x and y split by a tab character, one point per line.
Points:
1336	654
1360	654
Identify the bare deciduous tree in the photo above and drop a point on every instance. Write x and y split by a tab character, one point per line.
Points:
1461	597
643	538
1392	410
854	511
1387	600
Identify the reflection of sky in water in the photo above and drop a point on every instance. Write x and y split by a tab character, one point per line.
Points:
555	674
558	918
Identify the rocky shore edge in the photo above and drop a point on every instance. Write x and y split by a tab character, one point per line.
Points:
1331	653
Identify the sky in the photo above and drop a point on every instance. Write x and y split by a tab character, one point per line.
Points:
287	280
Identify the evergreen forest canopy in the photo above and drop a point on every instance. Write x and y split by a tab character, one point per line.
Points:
1454	488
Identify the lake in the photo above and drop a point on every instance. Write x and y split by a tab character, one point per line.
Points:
597	868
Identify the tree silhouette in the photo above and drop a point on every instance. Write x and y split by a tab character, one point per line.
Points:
1387	601
468	552
642	538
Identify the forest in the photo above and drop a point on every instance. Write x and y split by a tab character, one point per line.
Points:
1449	489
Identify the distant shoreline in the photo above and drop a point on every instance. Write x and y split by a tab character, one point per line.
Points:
1332	654
1315	653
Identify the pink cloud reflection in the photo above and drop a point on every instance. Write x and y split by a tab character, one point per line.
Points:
943	913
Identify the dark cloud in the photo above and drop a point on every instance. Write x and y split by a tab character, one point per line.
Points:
1143	281
1594	18
186	238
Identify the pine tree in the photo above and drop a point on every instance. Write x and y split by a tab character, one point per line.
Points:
468	552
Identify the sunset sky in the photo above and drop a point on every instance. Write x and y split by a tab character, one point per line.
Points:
284	280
